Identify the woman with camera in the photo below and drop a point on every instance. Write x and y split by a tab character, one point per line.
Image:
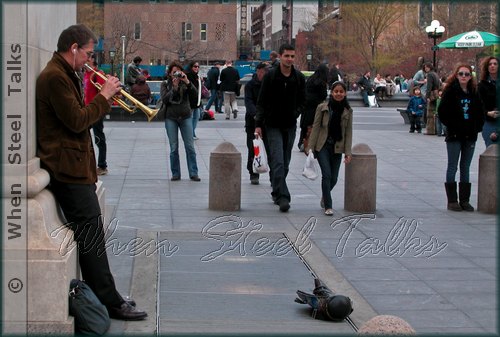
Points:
176	93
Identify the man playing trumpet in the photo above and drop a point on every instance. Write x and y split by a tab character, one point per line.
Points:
65	149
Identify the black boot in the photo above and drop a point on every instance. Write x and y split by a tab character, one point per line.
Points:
451	193
464	195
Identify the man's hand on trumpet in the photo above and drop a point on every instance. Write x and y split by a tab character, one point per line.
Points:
111	87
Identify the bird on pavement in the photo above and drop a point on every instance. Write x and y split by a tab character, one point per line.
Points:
325	304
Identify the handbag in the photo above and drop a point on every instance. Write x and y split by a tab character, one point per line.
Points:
310	170
91	316
205	93
260	164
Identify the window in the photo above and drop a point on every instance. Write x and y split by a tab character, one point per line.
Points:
137	31
187	31
203	31
220	31
425	13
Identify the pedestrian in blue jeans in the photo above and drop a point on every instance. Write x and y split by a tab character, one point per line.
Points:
331	136
462	112
176	93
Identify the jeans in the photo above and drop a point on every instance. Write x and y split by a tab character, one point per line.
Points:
488	129
230	103
280	142
440	127
364	94
186	127
329	162
196	118
415	122
214	98
463	149
100	142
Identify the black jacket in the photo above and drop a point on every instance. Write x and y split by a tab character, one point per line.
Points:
229	78
193	99
487	92
281	99
212	77
316	93
252	89
365	84
452	114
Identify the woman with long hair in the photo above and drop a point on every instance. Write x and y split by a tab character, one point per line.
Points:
488	93
461	111
195	101
176	93
331	136
316	92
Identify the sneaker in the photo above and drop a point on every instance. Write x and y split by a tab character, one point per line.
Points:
412	131
102	171
175	178
329	212
195	138
195	178
284	205
235	113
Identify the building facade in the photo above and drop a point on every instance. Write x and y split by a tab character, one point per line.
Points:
162	31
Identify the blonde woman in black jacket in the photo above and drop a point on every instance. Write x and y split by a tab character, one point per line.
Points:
461	111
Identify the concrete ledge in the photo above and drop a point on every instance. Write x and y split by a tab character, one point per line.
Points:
397	100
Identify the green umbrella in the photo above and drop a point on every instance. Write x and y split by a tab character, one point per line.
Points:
473	39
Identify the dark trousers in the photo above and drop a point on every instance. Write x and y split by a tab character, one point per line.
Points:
415	122
280	142
80	206
100	141
214	99
329	162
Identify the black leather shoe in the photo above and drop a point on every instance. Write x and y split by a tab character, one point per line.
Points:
126	312
195	178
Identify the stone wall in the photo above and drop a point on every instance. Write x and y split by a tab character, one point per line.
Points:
38	264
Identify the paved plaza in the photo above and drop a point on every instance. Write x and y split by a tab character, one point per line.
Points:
198	270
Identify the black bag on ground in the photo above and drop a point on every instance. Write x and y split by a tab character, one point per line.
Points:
91	316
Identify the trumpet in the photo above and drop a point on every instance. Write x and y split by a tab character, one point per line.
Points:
150	113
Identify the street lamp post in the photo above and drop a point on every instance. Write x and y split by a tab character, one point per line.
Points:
123	58
434	32
112	53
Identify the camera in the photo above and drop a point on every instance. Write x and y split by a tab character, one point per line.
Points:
178	74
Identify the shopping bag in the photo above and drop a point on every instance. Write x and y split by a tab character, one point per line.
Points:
310	167
372	101
260	164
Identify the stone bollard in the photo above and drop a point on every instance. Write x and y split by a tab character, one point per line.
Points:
360	187
386	325
225	178
487	190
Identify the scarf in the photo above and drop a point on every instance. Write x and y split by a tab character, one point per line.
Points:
336	109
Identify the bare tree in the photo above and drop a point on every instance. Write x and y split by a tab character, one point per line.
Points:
364	24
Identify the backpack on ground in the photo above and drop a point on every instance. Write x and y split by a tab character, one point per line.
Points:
91	316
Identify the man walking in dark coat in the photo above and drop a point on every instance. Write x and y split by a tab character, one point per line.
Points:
279	104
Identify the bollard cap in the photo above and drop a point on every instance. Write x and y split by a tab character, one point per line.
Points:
491	151
225	149
362	150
